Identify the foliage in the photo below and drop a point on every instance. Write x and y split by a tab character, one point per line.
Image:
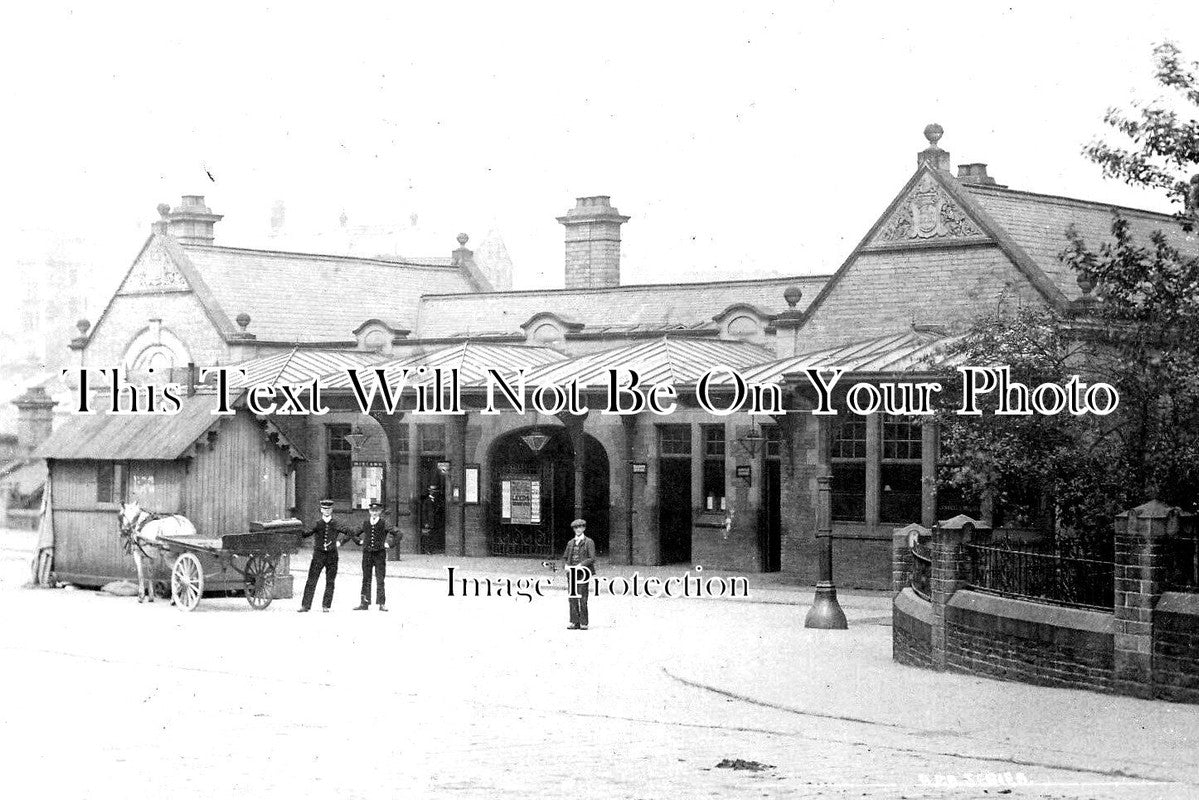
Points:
1166	144
1140	333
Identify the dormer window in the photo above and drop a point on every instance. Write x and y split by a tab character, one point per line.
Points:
377	336
548	329
742	321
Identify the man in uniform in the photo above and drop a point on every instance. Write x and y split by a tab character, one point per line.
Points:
376	538
580	553
328	533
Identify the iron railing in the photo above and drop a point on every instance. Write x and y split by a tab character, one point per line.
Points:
1044	577
922	570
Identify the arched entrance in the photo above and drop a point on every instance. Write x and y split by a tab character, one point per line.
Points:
533	490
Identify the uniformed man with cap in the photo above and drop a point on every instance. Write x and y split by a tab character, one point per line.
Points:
580	554
376	538
328	535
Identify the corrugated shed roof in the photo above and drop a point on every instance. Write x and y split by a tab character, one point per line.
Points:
297	366
1038	224
296	297
650	305
902	352
664	360
472	359
120	437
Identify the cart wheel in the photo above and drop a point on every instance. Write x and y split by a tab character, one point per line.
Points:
260	582
187	582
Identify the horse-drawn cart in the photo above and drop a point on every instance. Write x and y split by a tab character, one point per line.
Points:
253	555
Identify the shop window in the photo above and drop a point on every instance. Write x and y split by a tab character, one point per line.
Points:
674	441
432	439
713	483
900	471
847	453
110	482
338	467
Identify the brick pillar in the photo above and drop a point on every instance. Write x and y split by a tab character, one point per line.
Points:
1140	539
455	523
948	575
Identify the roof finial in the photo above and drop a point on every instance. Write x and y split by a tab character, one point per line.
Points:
933	132
463	239
792	294
164	210
243	321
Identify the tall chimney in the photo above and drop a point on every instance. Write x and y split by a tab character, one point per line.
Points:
932	155
35	418
192	221
592	243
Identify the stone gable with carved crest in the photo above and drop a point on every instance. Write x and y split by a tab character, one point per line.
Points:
154	272
927	214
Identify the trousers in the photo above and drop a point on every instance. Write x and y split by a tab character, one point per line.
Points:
377	562
325	560
578	605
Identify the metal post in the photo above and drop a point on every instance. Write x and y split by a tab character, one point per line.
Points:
825	612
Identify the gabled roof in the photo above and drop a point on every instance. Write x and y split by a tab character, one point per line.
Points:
1029	229
297	297
903	352
647	306
472	360
141	437
676	361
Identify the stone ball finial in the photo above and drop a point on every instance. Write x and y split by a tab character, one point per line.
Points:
82	326
1085	283
792	294
933	132
164	210
463	239
243	320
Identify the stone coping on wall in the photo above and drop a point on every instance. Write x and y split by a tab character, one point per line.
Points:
1025	617
913	607
1179	603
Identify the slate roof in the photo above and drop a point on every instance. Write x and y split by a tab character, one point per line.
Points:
141	437
665	360
1038	222
297	297
646	306
903	352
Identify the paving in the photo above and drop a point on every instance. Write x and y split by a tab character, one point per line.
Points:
492	696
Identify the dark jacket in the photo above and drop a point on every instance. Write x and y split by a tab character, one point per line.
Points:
582	554
374	537
328	535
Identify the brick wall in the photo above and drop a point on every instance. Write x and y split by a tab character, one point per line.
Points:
1176	648
911	621
1031	642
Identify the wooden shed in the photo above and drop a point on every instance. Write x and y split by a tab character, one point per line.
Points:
219	471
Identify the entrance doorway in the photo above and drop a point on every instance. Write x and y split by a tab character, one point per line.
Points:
674	509
431	508
770	523
532	493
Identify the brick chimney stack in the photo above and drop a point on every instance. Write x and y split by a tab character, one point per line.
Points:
976	174
192	222
35	418
933	155
592	243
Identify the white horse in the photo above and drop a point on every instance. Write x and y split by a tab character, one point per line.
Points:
140	527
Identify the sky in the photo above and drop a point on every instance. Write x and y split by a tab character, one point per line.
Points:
762	140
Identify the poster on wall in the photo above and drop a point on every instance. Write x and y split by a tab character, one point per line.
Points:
472	484
367	482
520	501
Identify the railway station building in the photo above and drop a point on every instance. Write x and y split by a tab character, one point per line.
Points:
734	491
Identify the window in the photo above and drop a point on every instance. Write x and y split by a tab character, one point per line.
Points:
674	441
900	472
713	485
110	482
432	439
338	469
847	451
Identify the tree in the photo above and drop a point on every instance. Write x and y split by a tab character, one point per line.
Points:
1137	328
1166	145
